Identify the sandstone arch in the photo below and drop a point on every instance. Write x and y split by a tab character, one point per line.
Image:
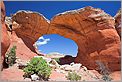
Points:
92	29
31	27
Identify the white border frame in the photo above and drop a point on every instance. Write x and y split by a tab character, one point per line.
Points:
62	0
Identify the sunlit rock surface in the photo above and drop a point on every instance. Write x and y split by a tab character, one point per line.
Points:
92	29
118	22
5	41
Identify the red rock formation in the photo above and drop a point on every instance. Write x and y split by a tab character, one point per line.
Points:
25	49
5	41
22	51
92	29
35	22
94	32
118	22
32	25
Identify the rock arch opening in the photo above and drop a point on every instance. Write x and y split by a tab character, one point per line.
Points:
56	43
56	46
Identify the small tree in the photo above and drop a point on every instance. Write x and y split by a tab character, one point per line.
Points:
39	67
11	56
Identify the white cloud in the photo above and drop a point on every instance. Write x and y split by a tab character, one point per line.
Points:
41	38
40	50
39	43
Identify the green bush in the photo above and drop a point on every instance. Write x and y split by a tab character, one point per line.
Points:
10	57
73	76
38	66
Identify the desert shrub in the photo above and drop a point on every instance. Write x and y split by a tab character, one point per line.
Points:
106	78
10	57
104	71
38	66
73	76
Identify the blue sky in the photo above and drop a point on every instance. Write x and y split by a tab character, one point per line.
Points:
57	43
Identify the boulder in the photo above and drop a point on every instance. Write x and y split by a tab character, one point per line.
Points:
34	77
68	68
76	66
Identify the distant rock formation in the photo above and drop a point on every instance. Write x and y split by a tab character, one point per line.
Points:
92	29
54	55
66	59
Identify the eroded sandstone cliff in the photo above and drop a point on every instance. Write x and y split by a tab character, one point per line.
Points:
92	29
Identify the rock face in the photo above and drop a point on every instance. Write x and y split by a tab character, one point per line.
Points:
33	21
31	26
22	51
94	32
5	41
118	22
25	51
92	29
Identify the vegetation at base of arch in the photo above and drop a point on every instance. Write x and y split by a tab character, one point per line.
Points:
10	57
73	76
104	70
39	66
